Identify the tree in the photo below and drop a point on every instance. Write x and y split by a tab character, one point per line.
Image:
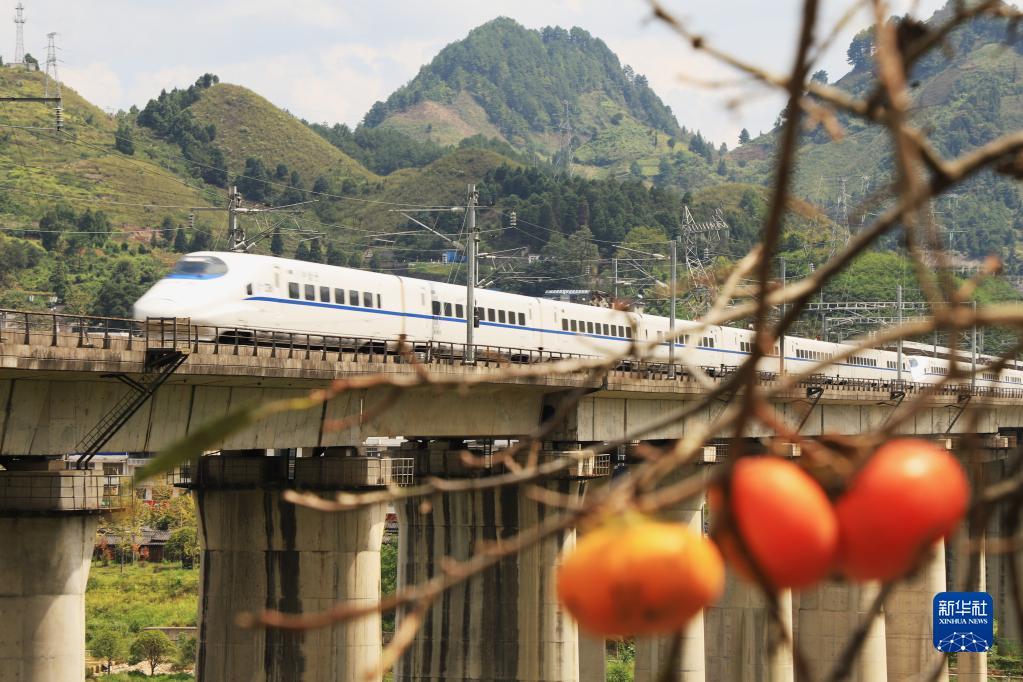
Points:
167	230
120	290
185	655
820	76
124	141
53	223
253	182
861	49
151	646
107	645
183	543
302	251
315	251
180	240
744	136
32	61
277	242
334	255
58	280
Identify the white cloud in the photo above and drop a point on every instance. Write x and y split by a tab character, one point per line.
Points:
330	60
96	82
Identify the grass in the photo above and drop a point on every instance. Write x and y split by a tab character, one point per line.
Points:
81	165
143	595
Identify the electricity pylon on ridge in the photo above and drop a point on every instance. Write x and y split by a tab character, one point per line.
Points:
694	238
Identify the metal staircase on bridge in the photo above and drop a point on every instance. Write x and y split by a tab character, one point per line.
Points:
159	364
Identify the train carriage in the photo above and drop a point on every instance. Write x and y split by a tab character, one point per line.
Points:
239	291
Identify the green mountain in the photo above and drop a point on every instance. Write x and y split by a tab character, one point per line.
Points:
964	95
561	94
249	126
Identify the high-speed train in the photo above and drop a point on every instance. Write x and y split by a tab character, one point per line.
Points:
248	291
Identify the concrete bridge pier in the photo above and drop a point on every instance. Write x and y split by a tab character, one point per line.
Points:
828	614
260	552
740	642
908	620
504	624
48	522
652	653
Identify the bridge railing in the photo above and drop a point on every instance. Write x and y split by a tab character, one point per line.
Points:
87	331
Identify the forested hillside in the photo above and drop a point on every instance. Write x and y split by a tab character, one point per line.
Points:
964	95
93	214
558	93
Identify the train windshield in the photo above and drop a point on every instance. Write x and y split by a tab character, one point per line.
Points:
199	267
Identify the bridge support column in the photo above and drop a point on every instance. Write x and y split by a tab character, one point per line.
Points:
998	567
652	653
48	525
741	642
828	615
502	625
908	622
260	552
592	657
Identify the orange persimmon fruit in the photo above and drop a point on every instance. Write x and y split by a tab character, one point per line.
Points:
907	496
638	576
786	521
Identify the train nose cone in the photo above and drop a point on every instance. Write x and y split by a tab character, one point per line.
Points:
156	307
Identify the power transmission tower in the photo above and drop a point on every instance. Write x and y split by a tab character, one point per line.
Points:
693	235
19	22
51	65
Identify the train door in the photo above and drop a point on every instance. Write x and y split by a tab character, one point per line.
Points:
435	308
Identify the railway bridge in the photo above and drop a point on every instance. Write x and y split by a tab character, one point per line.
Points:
72	385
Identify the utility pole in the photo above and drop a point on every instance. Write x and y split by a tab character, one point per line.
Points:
781	337
671	323
898	371
973	350
235	237
614	265
470	280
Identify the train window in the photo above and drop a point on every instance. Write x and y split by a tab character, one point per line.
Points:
490	314
478	317
310	292
606	332
500	316
378	301
436	307
589	327
292	289
339	296
564	324
459	310
628	332
447	310
353	297
199	267
325	294
511	317
248	289
522	319
367	299
573	323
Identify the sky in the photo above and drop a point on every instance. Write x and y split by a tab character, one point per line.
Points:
329	61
